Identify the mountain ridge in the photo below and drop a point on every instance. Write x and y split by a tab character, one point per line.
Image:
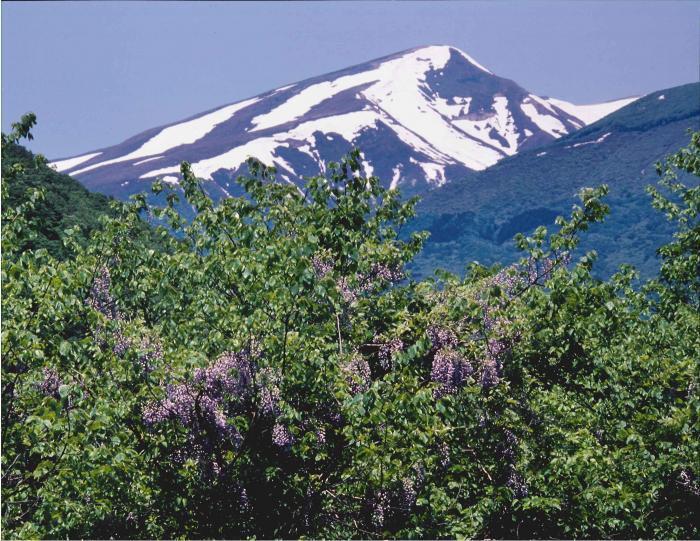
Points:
476	217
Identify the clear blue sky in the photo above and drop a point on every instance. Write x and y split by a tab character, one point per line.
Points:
96	73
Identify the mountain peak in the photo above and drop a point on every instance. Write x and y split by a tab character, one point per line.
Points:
439	54
421	116
448	50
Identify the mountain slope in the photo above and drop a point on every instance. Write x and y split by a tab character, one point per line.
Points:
421	117
477	216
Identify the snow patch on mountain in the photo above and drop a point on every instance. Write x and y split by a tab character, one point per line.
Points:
596	142
396	177
458	109
474	62
434	172
501	122
532	107
367	168
348	126
64	165
263	149
283	88
184	133
590	113
148	160
409	68
416	142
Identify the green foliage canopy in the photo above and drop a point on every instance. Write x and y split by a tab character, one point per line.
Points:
276	374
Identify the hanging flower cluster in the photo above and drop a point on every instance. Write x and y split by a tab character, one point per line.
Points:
281	436
149	351
205	407
100	297
499	329
357	374
51	382
387	352
352	288
450	369
268	384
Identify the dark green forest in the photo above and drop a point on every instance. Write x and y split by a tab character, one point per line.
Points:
65	203
269	368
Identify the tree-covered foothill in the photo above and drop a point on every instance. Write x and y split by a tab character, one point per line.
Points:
275	373
65	202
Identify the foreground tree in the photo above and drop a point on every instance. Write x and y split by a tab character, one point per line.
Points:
272	371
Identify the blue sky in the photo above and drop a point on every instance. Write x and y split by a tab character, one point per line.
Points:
96	73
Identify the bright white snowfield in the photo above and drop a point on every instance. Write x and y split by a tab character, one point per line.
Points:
180	134
431	105
63	165
590	113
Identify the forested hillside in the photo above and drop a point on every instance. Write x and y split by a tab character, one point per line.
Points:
65	203
276	373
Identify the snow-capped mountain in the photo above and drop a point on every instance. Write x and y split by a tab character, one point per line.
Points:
421	117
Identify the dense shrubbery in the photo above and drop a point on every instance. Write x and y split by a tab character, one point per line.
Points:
275	374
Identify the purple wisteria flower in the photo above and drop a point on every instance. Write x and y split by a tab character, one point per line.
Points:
444	455
496	347
281	436
51	382
687	479
231	374
419	473
408	493
387	352
321	266
490	373
151	353
441	337
122	343
351	287
100	297
348	292
450	370
508	448
357	374
268	391
380	506
508	280
381	272
516	483
204	405
540	270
